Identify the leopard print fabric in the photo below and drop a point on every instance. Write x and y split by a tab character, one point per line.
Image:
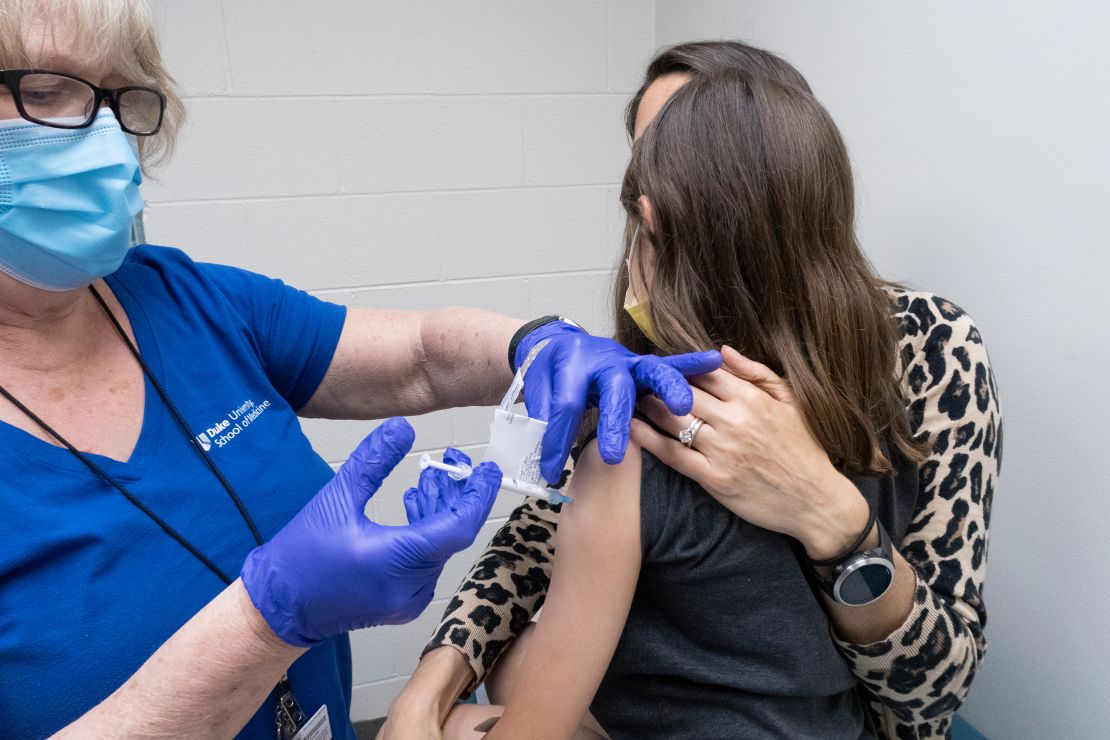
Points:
914	680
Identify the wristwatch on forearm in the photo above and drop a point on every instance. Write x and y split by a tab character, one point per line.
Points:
530	327
858	577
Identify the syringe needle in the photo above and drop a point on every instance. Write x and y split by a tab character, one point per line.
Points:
461	471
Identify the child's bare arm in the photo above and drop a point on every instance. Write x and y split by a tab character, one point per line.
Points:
594	578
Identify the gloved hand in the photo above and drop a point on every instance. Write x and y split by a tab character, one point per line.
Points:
331	570
576	370
437	490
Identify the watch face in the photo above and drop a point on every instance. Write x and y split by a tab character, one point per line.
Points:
864	582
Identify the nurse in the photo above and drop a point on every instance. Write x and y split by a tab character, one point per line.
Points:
176	558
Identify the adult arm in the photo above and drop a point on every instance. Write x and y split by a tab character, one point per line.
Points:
331	362
357	363
207	680
920	673
328	571
410	362
592	586
398	362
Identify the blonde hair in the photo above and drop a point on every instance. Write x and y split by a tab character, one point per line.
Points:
117	36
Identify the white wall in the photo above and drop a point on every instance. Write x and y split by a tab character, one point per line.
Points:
979	134
405	155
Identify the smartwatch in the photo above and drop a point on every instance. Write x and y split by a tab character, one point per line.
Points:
861	577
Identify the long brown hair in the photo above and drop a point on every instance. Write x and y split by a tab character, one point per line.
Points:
709	57
755	247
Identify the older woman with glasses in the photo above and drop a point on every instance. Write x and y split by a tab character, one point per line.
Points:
167	568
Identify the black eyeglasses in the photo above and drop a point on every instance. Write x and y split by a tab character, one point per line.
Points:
60	100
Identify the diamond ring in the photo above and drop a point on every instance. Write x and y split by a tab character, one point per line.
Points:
686	436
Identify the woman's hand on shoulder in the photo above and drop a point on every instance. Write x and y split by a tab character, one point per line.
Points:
756	454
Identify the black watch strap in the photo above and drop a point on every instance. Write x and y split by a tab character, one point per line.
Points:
527	329
872	515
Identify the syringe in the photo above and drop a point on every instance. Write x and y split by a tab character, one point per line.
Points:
462	470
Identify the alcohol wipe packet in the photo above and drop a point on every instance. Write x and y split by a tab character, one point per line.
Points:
515	441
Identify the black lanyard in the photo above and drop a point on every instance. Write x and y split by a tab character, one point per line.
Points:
289	715
194	443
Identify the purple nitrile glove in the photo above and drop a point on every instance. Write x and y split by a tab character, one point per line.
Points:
331	570
436	489
576	370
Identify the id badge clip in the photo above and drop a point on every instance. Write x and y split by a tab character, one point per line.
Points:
293	723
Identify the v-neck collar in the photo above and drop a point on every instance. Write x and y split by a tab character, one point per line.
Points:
154	413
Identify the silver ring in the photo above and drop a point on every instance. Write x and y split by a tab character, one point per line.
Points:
686	436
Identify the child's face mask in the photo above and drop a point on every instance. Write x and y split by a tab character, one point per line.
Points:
636	308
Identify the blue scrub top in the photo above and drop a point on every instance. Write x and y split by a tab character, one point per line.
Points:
89	586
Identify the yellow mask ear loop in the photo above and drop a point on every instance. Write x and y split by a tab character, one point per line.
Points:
636	309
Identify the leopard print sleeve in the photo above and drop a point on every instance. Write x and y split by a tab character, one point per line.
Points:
919	675
504	588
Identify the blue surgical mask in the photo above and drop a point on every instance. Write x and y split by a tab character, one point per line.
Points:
67	200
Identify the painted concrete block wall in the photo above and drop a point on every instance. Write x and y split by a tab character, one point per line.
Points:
978	136
405	156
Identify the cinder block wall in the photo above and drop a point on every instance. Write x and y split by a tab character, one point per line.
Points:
405	155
